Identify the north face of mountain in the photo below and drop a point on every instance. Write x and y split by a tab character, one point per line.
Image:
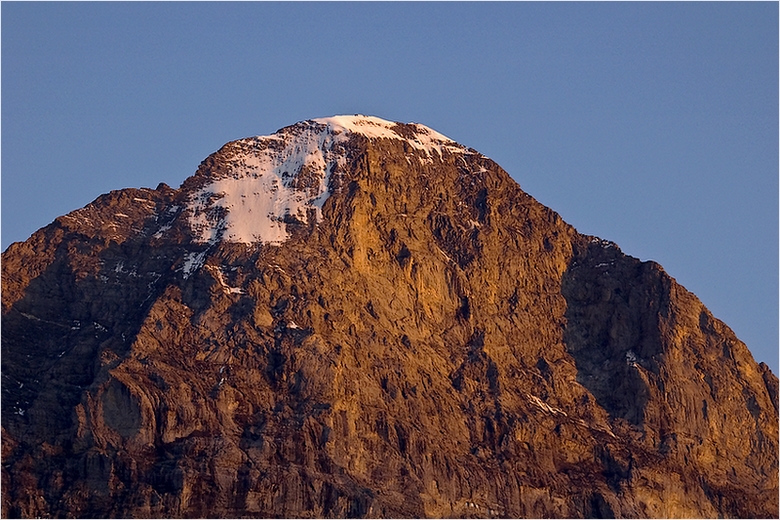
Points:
354	317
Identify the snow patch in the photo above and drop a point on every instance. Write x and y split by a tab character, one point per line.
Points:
544	406
192	262
606	244
220	277
631	359
162	230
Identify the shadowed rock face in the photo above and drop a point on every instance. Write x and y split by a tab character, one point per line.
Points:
431	341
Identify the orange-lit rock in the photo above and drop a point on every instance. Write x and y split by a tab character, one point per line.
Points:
435	344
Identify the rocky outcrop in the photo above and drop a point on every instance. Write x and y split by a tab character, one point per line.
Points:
423	340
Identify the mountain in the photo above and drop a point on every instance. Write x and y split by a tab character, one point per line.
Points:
354	317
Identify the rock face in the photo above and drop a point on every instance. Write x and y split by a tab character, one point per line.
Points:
357	318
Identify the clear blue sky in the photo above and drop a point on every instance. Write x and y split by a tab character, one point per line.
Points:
654	125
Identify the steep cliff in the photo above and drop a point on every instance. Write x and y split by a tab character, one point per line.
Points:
359	318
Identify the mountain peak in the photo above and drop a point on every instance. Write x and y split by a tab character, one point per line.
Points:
269	181
378	128
424	339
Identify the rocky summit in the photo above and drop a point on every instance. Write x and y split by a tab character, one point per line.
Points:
358	318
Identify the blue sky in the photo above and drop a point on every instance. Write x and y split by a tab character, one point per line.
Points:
654	125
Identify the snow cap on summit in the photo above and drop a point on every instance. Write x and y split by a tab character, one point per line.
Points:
420	137
269	185
375	127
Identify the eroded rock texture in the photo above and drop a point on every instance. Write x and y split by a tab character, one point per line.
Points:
437	344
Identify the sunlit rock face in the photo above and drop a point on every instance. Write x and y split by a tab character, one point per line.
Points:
355	317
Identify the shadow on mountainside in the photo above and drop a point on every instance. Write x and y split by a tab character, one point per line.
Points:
73	317
613	302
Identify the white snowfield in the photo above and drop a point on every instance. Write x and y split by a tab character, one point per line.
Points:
286	176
